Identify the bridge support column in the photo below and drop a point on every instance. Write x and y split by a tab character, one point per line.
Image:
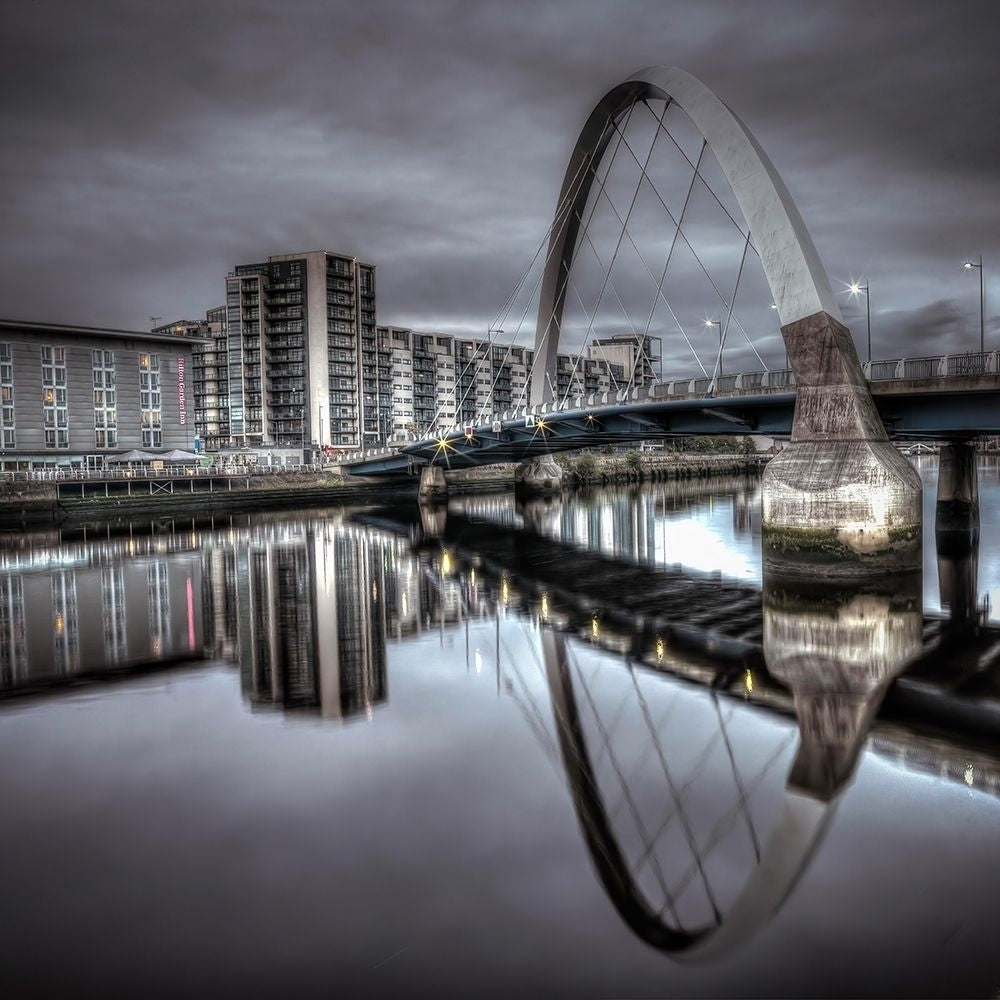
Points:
433	485
958	491
540	475
839	499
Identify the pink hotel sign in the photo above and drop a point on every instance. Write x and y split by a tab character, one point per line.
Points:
181	395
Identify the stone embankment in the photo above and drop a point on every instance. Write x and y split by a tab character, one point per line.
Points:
33	502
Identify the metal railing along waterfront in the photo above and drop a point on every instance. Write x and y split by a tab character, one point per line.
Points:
168	472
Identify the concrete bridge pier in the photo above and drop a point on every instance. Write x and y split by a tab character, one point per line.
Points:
958	576
957	495
839	500
433	485
540	475
433	519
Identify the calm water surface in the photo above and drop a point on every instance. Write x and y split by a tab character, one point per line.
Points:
497	750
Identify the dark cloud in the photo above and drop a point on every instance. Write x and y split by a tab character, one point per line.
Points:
149	147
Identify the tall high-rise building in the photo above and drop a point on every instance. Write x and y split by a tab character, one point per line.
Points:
302	362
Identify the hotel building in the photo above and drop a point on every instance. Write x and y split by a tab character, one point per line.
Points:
73	396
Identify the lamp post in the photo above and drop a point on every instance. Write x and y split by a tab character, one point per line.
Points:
968	265
718	323
856	288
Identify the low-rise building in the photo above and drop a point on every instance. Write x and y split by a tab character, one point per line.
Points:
76	396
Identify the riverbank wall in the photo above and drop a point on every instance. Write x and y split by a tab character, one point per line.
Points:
26	501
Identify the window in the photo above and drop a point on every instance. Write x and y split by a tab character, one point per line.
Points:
149	400
105	400
55	414
6	398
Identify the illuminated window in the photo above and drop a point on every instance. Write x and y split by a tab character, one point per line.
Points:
55	412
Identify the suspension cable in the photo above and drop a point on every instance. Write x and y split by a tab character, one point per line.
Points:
727	305
621	236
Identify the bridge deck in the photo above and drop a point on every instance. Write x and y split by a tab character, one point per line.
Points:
954	406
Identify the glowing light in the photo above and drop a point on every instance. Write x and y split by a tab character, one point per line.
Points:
748	682
660	649
545	607
404	605
374	591
595	628
445	562
60	625
505	592
970	774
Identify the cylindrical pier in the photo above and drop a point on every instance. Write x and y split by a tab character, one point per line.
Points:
958	490
433	485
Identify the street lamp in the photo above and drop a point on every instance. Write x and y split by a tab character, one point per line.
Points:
968	265
856	288
718	323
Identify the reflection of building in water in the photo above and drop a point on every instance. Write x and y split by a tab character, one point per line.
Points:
13	652
98	609
303	608
159	607
113	605
65	631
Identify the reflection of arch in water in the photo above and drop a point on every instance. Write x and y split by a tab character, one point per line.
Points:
782	859
838	651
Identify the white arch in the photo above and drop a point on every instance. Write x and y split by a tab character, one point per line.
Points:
799	284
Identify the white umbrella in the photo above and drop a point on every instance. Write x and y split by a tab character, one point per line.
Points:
132	456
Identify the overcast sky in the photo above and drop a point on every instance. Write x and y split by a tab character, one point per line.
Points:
148	147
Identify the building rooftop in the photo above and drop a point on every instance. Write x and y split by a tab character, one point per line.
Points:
67	329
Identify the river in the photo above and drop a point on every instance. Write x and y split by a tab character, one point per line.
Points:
573	748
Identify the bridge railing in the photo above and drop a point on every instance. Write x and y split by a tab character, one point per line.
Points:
972	363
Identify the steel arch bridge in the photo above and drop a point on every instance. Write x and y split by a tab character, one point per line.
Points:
824	396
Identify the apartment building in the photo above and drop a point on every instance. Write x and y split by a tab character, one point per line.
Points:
302	363
439	380
639	357
209	376
74	396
